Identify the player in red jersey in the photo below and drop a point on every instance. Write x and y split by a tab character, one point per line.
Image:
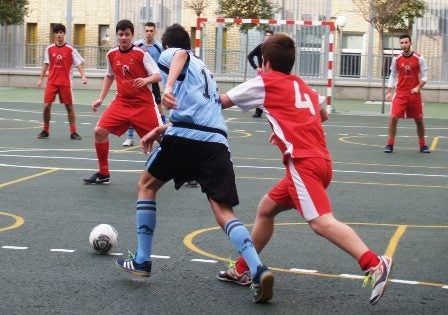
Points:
411	70
60	57
295	112
134	105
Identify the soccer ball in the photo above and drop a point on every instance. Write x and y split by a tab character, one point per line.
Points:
103	238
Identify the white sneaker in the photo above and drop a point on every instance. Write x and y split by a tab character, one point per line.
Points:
129	142
378	277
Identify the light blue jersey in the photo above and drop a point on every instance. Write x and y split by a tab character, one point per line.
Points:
197	99
154	50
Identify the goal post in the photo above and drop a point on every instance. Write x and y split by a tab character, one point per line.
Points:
224	49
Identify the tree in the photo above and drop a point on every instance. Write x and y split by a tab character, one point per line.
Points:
197	5
12	11
389	15
248	9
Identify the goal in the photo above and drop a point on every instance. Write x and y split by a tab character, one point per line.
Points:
224	49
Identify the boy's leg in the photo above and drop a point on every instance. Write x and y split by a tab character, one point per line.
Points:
141	263
261	234
129	142
102	153
377	268
46	116
239	236
72	122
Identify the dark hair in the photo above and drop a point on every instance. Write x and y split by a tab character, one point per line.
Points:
269	32
406	36
177	37
150	24
58	27
123	25
279	49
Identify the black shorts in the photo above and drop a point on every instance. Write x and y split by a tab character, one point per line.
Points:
209	163
156	92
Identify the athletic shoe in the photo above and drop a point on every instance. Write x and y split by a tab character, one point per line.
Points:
75	136
231	275
377	278
129	142
424	149
192	184
96	179
256	115
262	284
43	135
389	148
129	265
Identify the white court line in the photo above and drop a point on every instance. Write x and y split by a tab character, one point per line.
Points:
210	261
62	250
15	247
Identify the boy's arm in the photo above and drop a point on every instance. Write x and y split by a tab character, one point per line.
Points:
42	74
226	102
107	83
82	72
178	62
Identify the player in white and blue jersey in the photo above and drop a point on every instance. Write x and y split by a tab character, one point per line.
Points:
193	146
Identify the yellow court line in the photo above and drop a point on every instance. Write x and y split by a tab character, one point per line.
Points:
434	143
28	177
19	221
401	229
393	243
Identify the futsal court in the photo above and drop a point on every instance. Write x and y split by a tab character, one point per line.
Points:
396	202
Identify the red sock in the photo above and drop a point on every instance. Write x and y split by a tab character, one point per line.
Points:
46	127
72	128
390	141
241	265
421	141
102	152
368	260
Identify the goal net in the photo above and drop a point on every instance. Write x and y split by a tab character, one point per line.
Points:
224	49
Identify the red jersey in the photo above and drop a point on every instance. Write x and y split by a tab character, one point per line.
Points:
61	60
292	108
406	72
127	66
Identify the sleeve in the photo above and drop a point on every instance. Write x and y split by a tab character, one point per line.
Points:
109	71
77	58
393	73
423	69
150	64
47	56
248	95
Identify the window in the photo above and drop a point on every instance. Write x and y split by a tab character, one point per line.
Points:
31	49
391	47
351	55
310	41
79	38
103	45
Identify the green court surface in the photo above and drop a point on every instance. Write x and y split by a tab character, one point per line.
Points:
396	202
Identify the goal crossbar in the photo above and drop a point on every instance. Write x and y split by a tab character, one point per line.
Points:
330	24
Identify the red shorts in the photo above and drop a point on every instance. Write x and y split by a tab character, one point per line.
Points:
407	105
64	92
304	187
118	118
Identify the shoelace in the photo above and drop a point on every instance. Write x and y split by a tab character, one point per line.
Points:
130	255
368	280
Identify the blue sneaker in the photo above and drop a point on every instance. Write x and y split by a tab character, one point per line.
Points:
424	149
129	265
262	284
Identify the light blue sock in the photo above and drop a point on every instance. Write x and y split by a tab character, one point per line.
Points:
240	238
130	133
146	224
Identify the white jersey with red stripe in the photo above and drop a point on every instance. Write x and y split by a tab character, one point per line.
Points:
292	108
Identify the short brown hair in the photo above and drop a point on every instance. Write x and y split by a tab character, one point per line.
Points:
280	50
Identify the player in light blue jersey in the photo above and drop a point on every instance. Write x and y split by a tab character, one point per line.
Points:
192	147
